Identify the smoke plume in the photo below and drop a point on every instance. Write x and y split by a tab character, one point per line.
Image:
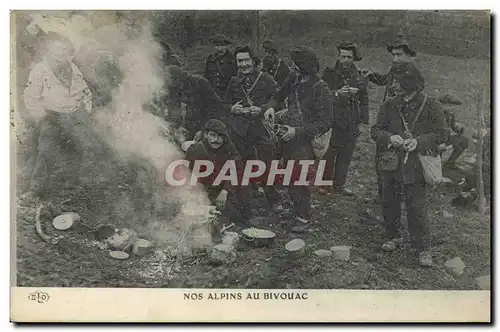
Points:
131	132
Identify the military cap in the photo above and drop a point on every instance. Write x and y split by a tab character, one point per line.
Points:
449	99
269	45
305	58
216	126
349	46
219	39
401	43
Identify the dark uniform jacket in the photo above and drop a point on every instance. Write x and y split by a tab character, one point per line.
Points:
202	102
260	96
352	110
386	80
277	68
429	131
202	151
219	70
316	104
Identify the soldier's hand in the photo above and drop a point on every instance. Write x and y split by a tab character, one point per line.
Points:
344	91
269	114
410	145
255	110
183	109
366	72
237	108
181	134
396	140
199	136
290	133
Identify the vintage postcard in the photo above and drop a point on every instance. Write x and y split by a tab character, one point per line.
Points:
250	166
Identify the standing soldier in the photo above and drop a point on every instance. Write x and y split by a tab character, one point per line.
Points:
200	101
273	64
351	109
248	94
220	66
401	51
60	102
407	125
309	94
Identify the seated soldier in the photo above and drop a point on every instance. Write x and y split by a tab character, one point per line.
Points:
217	147
456	140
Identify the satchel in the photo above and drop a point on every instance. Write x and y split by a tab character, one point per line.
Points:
431	162
321	143
432	168
388	161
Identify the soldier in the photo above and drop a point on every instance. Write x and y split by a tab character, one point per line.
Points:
220	66
457	140
309	94
248	94
201	103
59	101
401	51
351	109
407	125
217	147
273	64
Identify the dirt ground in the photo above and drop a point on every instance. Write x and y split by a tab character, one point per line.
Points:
81	261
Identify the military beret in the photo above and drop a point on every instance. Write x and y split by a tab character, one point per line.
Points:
269	45
305	58
349	46
408	76
401	43
216	126
449	99
219	39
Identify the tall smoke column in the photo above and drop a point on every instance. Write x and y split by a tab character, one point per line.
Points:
132	131
127	128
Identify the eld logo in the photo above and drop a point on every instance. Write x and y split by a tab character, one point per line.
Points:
40	297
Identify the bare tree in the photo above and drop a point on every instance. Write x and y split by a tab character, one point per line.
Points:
256	30
481	201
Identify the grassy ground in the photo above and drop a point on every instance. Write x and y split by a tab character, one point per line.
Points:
80	261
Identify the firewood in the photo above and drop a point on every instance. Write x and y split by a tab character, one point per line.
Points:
38	226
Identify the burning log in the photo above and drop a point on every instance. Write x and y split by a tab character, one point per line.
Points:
123	240
222	254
